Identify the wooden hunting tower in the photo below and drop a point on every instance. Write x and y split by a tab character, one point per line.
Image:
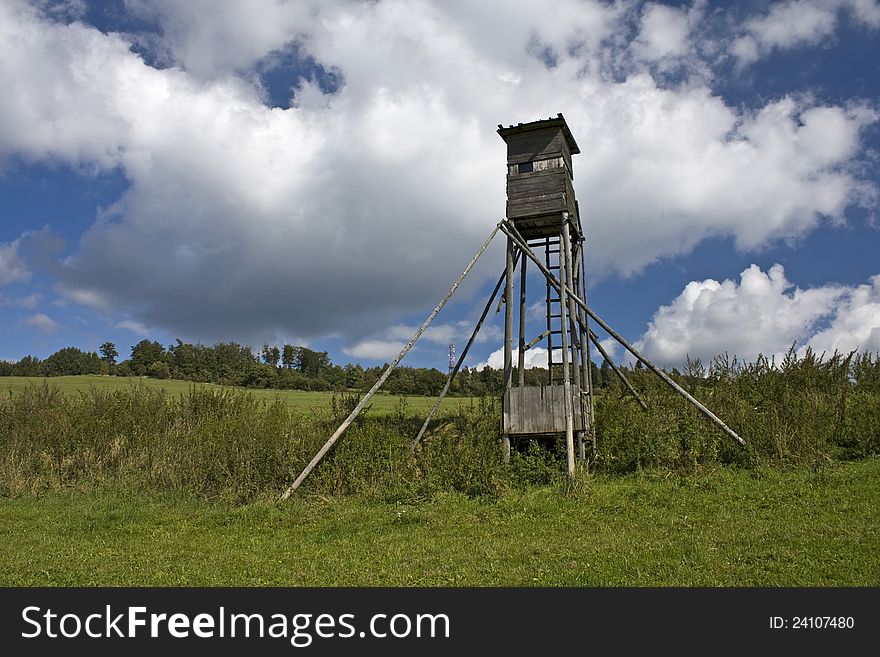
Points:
542	214
541	207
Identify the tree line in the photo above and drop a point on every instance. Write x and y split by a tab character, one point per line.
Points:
291	367
283	367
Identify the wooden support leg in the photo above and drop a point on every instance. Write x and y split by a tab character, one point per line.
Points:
549	313
564	276
508	339
572	328
521	351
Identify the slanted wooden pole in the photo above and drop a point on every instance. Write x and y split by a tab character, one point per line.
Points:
595	340
461	358
363	402
521	347
665	377
508	313
511	231
585	352
564	278
537	340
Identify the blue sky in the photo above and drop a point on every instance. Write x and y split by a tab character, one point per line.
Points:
319	173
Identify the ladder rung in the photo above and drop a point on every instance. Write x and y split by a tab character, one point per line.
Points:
555	316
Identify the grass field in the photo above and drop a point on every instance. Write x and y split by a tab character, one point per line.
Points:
297	399
724	527
108	481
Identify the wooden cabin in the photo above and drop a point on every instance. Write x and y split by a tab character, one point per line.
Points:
539	175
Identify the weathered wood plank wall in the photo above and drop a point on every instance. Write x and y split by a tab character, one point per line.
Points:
537	409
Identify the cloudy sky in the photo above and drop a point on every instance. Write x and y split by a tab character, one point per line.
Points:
319	172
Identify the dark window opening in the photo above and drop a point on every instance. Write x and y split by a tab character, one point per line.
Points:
526	167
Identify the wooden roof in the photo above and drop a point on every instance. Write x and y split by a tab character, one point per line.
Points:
558	122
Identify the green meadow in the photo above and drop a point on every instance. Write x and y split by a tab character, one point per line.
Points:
297	399
727	527
112	481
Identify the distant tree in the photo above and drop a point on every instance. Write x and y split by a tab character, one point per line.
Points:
191	362
233	362
270	355
288	356
28	366
71	361
160	370
311	363
371	375
605	372
144	354
430	381
266	353
490	380
354	376
401	382
109	353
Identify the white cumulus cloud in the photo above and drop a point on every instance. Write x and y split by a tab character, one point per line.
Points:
763	313
797	23
664	31
388	343
534	357
855	324
42	322
375	349
12	266
135	327
350	209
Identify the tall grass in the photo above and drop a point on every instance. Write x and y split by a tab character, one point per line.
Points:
228	444
807	410
231	445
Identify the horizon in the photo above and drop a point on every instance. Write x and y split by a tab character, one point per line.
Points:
597	361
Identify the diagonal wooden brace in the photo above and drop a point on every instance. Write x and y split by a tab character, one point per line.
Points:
510	230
